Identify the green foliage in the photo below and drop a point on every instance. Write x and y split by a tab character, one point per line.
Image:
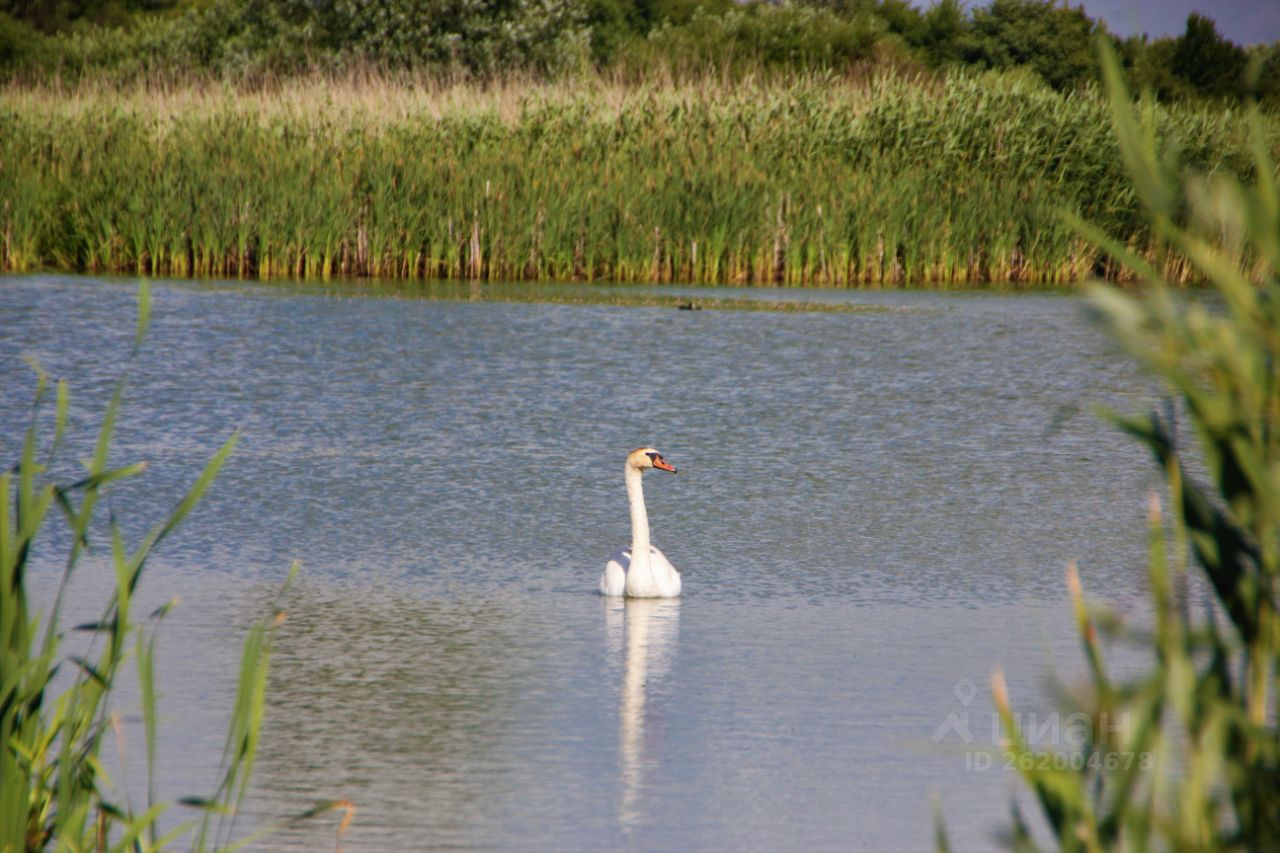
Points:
887	182
1210	63
1202	64
54	791
942	32
21	45
235	41
1187	756
252	41
1149	67
1056	41
50	16
758	36
485	37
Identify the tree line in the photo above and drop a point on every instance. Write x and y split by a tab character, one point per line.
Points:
131	39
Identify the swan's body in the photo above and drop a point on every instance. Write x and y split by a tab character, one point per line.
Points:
663	580
641	571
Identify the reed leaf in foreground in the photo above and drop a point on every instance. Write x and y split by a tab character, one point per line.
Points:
1187	756
54	791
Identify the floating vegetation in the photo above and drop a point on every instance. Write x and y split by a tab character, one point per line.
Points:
565	293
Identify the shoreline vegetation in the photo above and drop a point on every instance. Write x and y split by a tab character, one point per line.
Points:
844	143
817	179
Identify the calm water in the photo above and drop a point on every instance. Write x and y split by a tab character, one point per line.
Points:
873	508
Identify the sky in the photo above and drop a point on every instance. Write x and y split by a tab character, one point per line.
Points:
1245	22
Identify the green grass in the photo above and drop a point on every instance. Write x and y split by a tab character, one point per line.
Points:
815	181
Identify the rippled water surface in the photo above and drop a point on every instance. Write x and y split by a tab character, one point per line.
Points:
874	507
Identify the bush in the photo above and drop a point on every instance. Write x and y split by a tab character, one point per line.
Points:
760	35
19	43
1056	41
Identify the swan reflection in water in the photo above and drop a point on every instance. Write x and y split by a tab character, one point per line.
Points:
643	633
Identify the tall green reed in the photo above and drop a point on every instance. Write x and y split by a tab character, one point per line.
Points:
811	180
1187	755
54	790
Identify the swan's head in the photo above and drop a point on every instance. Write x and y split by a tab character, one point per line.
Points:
647	457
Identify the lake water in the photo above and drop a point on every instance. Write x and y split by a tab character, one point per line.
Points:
873	508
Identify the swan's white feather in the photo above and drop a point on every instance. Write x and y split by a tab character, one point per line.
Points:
613	581
666	578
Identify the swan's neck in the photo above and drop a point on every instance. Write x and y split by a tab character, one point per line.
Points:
639	520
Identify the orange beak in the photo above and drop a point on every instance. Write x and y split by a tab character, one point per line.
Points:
663	465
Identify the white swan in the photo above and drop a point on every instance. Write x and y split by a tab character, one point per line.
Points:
641	571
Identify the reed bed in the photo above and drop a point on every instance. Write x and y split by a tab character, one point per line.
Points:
813	181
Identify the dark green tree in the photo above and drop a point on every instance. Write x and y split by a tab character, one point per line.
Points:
1210	63
1149	67
942	33
1262	77
51	16
902	19
1055	41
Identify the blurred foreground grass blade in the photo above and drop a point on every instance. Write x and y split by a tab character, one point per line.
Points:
60	418
1088	634
940	840
1113	247
1265	227
144	315
240	750
1064	804
322	808
146	656
184	506
1137	142
1227	554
